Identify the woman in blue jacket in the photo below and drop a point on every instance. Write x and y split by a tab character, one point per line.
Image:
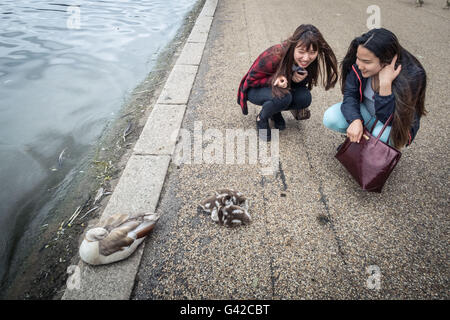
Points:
379	78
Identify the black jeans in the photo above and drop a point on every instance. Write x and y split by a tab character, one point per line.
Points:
297	98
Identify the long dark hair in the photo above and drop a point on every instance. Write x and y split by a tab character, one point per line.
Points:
325	64
408	88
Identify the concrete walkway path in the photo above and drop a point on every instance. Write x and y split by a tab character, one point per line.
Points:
314	233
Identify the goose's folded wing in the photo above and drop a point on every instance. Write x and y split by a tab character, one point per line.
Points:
115	241
114	221
143	229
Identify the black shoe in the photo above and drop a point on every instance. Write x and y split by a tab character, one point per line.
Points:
263	129
280	124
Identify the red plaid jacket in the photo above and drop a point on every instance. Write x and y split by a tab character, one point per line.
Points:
260	74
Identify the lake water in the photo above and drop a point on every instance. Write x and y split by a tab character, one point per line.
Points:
66	68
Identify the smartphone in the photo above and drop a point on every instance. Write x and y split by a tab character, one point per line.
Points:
298	69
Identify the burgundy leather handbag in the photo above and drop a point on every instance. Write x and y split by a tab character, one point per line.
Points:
370	161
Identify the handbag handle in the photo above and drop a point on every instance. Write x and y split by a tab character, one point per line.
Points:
384	126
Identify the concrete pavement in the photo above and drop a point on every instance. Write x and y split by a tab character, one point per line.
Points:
314	234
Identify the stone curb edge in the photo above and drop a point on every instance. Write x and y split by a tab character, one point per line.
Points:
142	180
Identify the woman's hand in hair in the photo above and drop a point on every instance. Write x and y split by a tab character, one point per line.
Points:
389	73
355	130
281	82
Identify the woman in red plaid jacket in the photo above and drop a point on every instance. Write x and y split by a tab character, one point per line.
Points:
282	76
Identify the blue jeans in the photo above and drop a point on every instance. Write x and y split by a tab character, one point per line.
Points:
334	120
298	98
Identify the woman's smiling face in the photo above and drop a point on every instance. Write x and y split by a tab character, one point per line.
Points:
303	56
367	62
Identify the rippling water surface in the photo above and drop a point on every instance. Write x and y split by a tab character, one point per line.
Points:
65	70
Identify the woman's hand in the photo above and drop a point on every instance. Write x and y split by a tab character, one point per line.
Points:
355	130
298	77
281	82
388	74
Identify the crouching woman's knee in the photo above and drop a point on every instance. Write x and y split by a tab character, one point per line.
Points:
301	98
285	100
334	119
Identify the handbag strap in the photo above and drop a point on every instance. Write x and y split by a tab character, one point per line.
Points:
384	126
373	126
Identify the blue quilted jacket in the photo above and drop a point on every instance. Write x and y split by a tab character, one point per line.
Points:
384	105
